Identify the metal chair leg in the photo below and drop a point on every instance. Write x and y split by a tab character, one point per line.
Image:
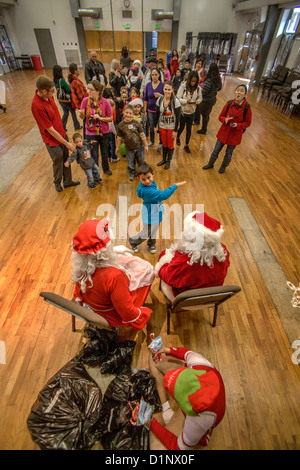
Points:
215	315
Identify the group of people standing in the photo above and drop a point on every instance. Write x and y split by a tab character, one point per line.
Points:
101	105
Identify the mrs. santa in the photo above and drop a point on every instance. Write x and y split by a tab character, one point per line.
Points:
198	259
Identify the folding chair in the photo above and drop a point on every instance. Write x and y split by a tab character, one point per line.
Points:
197	299
76	310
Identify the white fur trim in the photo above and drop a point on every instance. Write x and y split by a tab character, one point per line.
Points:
193	230
165	259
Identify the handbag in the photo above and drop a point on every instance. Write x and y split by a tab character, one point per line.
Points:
62	95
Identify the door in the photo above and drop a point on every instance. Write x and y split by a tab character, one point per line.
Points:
44	40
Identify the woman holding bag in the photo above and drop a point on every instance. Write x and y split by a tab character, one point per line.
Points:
64	97
97	113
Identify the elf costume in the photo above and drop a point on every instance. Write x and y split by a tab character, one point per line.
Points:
199	390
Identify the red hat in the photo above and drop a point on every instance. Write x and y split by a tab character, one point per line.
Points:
92	236
136	101
200	226
195	390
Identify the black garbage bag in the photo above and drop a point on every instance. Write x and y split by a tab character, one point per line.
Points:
115	421
118	360
66	413
101	343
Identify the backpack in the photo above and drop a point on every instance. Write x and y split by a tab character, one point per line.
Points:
244	113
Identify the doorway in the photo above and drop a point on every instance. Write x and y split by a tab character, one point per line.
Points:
44	40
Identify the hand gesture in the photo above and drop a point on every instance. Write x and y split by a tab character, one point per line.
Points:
228	119
181	183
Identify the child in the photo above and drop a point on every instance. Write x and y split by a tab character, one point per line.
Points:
167	117
177	81
123	101
137	105
152	209
131	132
185	72
84	159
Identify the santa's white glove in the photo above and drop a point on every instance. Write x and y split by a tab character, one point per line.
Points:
167	412
121	249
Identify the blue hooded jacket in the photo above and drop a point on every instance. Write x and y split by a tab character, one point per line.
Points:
153	209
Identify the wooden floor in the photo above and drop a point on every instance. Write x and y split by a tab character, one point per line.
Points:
249	344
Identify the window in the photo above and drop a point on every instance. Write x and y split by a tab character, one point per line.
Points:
294	21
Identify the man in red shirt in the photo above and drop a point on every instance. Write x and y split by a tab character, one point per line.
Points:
49	121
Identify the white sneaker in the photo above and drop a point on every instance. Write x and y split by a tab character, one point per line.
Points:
150	144
135	249
152	249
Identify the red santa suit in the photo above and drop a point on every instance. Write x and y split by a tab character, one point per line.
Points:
176	269
117	293
199	390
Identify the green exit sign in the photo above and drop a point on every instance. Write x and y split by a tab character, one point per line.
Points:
127	26
97	25
157	26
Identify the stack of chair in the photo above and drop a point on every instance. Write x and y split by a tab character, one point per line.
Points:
273	75
270	83
282	93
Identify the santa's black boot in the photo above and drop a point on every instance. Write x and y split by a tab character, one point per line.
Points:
164	154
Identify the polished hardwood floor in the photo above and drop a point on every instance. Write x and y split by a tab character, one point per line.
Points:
249	344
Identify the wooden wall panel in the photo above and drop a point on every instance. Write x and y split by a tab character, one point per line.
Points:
163	45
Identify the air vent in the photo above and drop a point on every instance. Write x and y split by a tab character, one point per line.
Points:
126	14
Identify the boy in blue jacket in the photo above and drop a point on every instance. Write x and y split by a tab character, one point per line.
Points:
152	209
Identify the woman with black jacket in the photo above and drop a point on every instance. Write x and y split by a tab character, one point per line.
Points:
211	85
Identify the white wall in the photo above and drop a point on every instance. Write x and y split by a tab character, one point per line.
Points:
52	14
135	22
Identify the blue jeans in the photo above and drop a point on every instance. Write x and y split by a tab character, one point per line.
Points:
228	153
133	156
67	108
92	174
148	231
103	141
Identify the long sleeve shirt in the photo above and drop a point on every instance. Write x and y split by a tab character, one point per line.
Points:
153	209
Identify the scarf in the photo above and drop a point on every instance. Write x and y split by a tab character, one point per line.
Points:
91	110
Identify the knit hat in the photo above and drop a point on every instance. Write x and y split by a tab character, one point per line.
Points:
137	62
195	390
200	227
92	236
136	101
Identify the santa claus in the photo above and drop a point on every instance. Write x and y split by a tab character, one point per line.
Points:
110	280
199	259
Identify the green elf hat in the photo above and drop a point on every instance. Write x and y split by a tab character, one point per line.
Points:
194	390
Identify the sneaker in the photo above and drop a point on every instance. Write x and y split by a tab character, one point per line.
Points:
178	141
100	180
201	131
58	187
187	149
92	186
152	249
150	144
134	249
108	172
159	147
131	177
114	160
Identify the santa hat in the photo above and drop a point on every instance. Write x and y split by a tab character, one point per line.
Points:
136	101
195	390
137	62
200	227
92	236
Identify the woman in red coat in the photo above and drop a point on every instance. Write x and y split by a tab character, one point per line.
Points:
174	62
235	118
